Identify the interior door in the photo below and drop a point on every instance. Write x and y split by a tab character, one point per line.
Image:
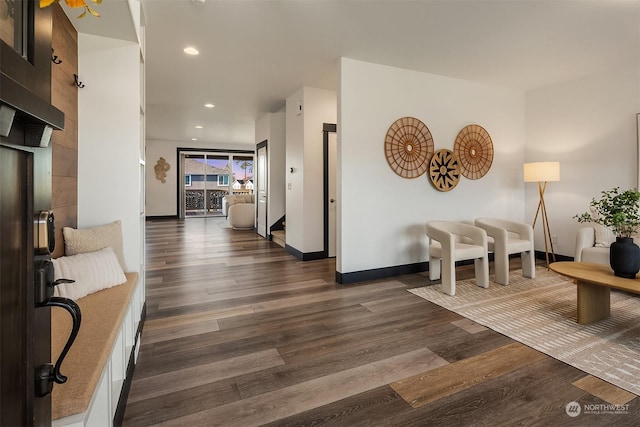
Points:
332	202
330	156
261	185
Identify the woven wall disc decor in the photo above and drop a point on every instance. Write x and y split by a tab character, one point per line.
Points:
408	147
444	170
474	148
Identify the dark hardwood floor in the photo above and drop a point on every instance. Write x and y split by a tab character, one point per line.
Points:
240	333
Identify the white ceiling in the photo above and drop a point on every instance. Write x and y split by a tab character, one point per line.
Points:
255	53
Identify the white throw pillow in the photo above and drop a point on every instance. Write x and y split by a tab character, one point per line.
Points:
92	272
604	236
92	239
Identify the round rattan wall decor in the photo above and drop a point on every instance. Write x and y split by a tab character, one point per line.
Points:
474	149
444	170
408	147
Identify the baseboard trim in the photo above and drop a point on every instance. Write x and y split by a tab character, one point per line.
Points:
157	217
543	256
398	270
380	273
304	256
126	386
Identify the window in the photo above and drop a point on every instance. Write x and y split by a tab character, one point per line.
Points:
14	19
223	180
187	180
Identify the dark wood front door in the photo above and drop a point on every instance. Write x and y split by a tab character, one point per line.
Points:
24	328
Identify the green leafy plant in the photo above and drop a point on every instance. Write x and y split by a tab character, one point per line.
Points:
619	211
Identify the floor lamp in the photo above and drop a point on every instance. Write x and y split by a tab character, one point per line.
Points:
543	172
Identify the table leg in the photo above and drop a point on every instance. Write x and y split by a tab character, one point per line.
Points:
593	302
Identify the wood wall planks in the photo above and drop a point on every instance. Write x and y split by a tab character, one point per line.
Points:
64	143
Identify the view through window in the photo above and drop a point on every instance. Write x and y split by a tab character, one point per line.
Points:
208	177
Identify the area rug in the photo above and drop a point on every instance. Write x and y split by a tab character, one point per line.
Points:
541	313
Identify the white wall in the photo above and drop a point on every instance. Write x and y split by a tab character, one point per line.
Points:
589	126
109	138
272	127
161	199
381	215
304	199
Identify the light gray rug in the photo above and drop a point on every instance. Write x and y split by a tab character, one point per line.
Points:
541	313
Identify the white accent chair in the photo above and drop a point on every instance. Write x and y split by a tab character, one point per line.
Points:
455	241
242	216
592	244
506	238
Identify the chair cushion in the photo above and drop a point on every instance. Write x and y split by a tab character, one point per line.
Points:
462	251
598	255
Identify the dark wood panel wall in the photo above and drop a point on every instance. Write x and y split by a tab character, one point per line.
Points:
64	96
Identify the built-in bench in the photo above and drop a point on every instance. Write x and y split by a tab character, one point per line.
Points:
100	363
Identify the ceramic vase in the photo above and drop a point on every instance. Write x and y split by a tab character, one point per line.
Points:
624	257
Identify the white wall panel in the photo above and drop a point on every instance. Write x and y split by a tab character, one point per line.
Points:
381	215
589	126
109	138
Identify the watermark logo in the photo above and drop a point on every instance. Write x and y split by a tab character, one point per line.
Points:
573	409
603	408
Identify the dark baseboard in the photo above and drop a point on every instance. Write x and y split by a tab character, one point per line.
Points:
398	270
380	273
302	256
159	217
126	386
543	256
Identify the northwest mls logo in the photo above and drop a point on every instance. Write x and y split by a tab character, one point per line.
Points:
573	409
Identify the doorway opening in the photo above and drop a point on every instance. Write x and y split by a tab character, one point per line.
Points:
330	153
206	176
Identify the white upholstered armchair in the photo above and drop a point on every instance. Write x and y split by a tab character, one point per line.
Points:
592	244
506	238
242	216
455	241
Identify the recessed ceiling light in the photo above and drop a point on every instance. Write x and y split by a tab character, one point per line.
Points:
190	50
209	105
194	139
198	127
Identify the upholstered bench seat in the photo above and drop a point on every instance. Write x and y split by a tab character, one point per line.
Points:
103	314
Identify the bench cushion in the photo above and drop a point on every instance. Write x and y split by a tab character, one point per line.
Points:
102	315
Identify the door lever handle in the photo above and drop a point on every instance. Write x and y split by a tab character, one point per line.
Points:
47	374
44	282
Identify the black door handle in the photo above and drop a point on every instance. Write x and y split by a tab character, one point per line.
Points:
47	374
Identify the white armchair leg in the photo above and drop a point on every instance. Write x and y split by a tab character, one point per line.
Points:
501	264
448	283
528	264
482	271
434	268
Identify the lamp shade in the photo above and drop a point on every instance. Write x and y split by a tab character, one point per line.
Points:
541	171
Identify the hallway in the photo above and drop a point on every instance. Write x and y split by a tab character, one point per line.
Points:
239	332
